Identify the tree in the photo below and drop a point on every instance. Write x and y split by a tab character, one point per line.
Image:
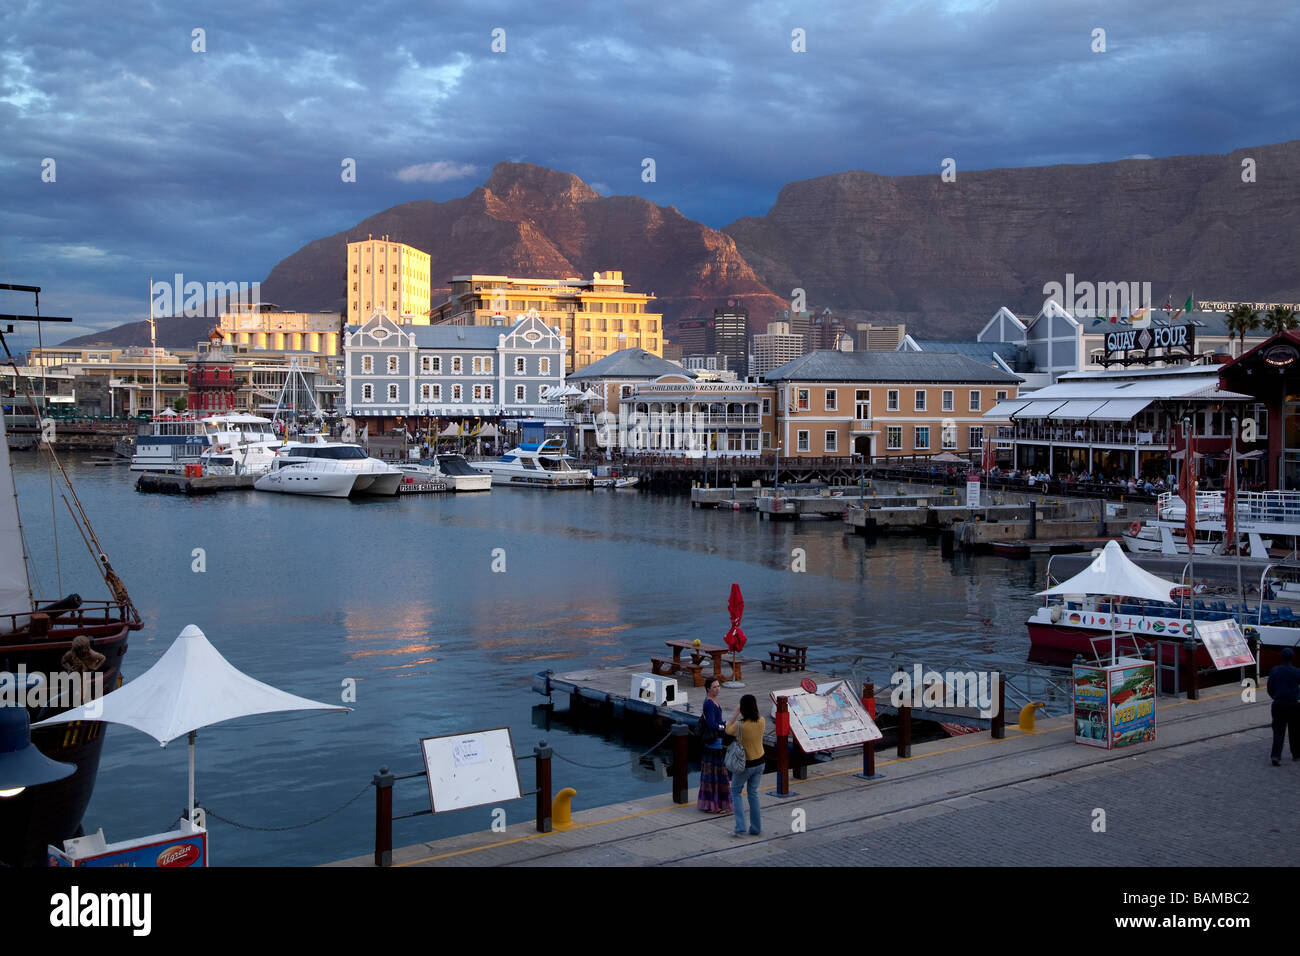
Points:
181	404
1241	319
1280	318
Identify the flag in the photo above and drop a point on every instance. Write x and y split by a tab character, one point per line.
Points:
1230	498
1190	304
1189	489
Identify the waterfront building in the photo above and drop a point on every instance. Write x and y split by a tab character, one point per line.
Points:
1006	356
597	316
885	404
695	336
885	337
211	378
1119	423
731	335
676	415
613	378
1270	374
775	347
387	276
264	327
395	370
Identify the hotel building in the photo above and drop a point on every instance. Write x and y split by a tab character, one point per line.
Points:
387	276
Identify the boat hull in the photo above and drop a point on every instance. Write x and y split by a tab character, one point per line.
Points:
321	484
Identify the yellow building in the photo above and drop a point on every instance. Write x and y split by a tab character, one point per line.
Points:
597	316
266	327
390	277
886	404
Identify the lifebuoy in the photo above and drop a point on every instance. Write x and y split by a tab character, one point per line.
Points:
1134	529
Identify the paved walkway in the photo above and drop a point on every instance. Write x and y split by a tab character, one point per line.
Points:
1203	794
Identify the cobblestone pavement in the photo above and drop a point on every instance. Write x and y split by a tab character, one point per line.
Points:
1226	806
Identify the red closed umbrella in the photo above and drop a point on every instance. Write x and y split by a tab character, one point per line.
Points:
735	638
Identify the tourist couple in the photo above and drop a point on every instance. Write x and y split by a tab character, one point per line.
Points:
716	785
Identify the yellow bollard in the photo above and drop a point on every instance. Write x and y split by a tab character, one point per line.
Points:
1027	716
562	809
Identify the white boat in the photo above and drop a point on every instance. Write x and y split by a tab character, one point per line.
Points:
174	442
610	482
1155	538
459	474
542	465
313	465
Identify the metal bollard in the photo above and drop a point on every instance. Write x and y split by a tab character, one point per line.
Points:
869	746
383	784
782	747
681	768
1193	678
998	726
905	731
543	754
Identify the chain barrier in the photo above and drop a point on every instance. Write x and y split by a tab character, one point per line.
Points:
295	826
620	763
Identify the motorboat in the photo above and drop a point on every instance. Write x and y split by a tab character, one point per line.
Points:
175	441
609	481
452	470
536	465
1157	538
313	465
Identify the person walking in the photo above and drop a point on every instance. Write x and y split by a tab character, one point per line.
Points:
747	726
1284	688
715	782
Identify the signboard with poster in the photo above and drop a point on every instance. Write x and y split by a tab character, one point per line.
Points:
829	717
470	770
1115	705
1226	644
1140	346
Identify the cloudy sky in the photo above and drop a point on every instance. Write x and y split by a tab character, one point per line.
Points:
218	163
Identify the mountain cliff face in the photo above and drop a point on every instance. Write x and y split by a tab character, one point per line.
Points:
943	256
530	221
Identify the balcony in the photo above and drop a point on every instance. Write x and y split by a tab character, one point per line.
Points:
1093	434
861	426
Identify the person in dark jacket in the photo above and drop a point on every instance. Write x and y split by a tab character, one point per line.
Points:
1284	688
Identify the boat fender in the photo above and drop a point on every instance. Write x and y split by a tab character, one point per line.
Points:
1134	529
1056	615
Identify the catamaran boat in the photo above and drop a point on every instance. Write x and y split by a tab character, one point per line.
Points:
176	441
536	465
453	470
1258	513
314	465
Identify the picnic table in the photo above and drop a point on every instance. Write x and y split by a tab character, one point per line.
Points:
695	665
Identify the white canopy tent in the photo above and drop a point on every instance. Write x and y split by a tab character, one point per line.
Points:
1112	574
189	687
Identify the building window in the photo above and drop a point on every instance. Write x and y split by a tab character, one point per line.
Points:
891	402
1261	421
367	364
894	437
921	436
392	393
435	367
545	366
519	365
974	400
919	404
478	393
802	440
832	441
437	393
947	401
767	441
976	437
487	393
456	393
367	393
948	434
862	404
767	407
1001	396
519	393
426	392
456	366
801	399
832	397
392	365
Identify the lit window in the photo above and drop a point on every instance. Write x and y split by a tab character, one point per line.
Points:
894	437
922	438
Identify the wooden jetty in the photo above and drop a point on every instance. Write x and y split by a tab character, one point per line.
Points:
152	482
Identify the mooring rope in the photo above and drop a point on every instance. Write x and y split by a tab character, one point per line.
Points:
294	826
611	766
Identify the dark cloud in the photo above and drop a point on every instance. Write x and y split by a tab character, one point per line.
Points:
218	164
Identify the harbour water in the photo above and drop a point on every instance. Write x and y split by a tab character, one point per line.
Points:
400	596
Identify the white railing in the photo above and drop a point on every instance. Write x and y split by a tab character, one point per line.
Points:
1275	506
1093	434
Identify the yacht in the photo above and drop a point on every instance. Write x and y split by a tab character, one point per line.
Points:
173	442
453	472
536	465
314	465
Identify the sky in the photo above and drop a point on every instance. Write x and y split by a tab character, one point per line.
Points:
215	154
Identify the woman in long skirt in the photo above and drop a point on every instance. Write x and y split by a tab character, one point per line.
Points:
715	781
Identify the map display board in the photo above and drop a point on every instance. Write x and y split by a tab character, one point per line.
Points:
470	770
829	718
1225	642
1115	705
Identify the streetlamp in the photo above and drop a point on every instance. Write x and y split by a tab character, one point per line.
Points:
21	764
776	468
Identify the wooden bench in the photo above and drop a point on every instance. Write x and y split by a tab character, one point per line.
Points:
669	668
786	658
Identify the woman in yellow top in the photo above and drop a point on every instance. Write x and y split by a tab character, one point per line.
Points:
748	726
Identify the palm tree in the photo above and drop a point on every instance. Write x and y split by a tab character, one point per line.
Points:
1241	319
1280	318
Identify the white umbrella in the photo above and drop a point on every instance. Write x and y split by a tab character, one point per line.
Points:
489	431
189	687
589	394
1113	574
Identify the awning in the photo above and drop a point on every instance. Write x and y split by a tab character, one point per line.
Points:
1040	409
1079	408
1007	408
1120	409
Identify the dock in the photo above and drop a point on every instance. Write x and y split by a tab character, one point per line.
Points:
1029	799
153	483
